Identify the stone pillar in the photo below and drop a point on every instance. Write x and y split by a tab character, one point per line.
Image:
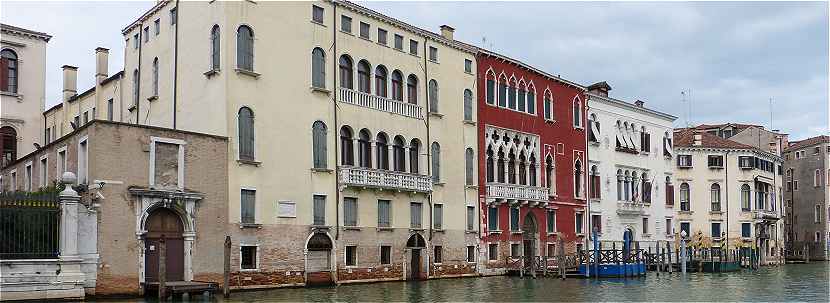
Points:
70	261
188	260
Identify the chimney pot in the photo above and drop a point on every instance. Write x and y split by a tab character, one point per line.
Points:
447	31
70	81
639	103
101	64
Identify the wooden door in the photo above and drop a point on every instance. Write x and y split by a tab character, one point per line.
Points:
164	223
415	264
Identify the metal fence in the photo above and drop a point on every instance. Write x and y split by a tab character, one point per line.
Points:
29	225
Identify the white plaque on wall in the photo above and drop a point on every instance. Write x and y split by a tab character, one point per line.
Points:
286	209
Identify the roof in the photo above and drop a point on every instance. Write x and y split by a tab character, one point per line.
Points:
486	52
807	142
87	92
603	85
25	32
738	126
686	138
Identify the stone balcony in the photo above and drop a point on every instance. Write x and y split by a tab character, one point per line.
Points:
519	193
761	214
630	208
384	179
381	103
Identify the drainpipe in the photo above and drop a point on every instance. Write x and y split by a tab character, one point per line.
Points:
336	126
726	186
138	81
176	63
426	122
585	182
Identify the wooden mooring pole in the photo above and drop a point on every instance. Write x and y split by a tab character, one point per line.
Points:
226	287
162	269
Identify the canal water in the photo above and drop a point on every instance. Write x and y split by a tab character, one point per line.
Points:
796	282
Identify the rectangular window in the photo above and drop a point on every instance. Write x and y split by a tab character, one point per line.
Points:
248	207
471	253
684	160
364	30
745	162
319	210
515	250
398	42
27	178
715	161
438	216
413	47
248	257
551	221
382	36
349	211
317	14
551	250
385	254
491	91
157	26
86	117
146	34
174	16
44	169
684	227
415	212
746	230
346	24
514	218
471	217
351	255
437	254
492	251
109	109
715	230
596	223
578	222
384	213
669	227
468	67
61	162
433	53
83	157
645	226
14	180
135	41
492	218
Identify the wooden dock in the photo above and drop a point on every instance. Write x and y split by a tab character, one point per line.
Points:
190	288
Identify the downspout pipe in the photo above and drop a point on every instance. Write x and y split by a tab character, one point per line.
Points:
727	190
429	148
138	81
176	64
337	158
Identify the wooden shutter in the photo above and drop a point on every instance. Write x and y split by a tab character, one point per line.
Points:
4	74
669	194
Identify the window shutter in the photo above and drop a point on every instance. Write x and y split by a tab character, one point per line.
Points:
4	74
468	105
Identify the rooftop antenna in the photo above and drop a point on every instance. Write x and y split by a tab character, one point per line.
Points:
770	114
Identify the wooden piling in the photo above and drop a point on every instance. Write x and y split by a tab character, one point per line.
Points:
162	269
226	287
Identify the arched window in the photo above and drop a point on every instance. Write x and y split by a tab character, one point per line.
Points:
715	196
577	112
8	145
155	76
318	133
382	151
745	197
531	100
135	87
522	170
532	170
397	85
469	165
245	48
412	89
491	88
550	175
433	96
8	66
414	156
503	91
468	105
490	165
380	81
521	104
318	68
346	75
214	48
684	196
594	186
817	178
363	78
436	162
500	167
548	107
398	154
364	149
578	178
346	146
511	94
620	180
246	134
511	167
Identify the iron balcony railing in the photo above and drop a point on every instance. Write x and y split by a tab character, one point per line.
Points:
381	103
517	192
384	179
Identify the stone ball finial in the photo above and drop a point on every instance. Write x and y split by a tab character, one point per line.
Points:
68	178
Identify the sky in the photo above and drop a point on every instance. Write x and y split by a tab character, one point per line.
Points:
731	58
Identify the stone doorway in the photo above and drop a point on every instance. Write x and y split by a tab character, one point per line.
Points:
318	260
163	222
416	245
530	234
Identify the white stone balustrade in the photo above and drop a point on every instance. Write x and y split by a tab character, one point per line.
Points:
630	208
384	179
517	192
381	103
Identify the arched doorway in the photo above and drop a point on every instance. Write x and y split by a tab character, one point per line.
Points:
8	145
415	245
318	259
164	222
530	233
628	237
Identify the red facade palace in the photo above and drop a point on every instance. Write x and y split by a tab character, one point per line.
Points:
532	159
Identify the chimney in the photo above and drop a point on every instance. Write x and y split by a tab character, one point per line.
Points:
698	139
599	88
70	81
447	31
639	103
101	62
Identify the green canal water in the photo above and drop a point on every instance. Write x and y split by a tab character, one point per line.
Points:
797	282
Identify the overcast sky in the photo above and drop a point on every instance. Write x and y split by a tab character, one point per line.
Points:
733	57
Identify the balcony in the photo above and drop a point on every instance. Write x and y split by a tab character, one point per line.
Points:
380	103
630	208
384	179
761	214
517	192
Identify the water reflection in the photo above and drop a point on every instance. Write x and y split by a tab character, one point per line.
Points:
785	283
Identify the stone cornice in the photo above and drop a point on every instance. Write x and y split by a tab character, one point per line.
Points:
22	32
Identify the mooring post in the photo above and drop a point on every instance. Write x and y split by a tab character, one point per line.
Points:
226	287
561	263
162	269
